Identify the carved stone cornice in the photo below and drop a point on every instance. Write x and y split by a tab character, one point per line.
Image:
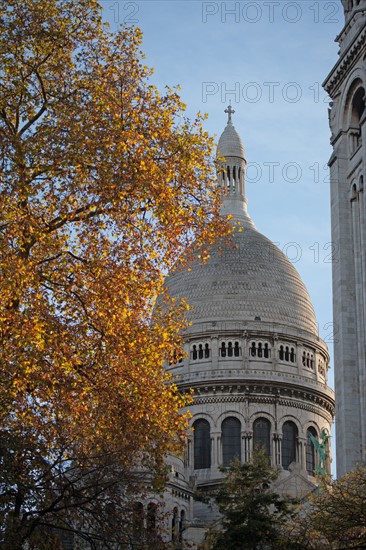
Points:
242	381
322	408
269	394
344	64
180	493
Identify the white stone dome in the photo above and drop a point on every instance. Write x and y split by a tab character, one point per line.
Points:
254	281
230	143
250	280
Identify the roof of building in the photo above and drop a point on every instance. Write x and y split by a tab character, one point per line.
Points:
252	279
249	280
230	143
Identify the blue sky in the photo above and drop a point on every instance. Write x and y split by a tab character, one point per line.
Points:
269	58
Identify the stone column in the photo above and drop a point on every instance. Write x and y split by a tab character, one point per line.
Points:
243	446
301	450
188	453
317	357
299	352
245	350
275	352
248	446
277	449
215	449
187	358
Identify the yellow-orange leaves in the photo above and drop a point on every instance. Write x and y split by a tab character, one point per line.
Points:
104	184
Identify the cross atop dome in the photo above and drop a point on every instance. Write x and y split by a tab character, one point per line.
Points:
229	110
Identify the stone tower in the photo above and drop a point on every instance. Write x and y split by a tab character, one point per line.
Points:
346	86
252	355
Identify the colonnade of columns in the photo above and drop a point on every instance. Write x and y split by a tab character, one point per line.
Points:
247	446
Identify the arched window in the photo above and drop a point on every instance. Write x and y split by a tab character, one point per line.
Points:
310	451
267	351
357	108
236	349
151	517
223	349
175	525
182	524
292	355
137	518
202	444
231	440
260	350
262	435
230	349
281	353
289	443
354	194
207	351
194	353
200	351
287	354
253	350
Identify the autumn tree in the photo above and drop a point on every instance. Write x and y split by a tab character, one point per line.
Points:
104	183
252	512
335	515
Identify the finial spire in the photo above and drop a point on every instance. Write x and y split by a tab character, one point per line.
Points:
229	110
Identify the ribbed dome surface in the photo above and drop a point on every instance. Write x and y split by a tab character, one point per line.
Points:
230	143
255	279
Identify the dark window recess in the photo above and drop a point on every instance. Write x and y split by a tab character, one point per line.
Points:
182	524
267	352
223	350
137	519
236	349
202	444
175	525
310	451
262	435
151	517
230	349
231	440
253	350
289	443
281	353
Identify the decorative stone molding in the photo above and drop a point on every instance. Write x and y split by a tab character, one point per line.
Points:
345	64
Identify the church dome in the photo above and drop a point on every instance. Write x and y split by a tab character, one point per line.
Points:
251	280
230	143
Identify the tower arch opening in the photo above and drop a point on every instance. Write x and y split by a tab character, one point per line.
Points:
354	111
262	436
231	440
202	444
289	443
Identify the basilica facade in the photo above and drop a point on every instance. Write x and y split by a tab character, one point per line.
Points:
252	355
346	86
